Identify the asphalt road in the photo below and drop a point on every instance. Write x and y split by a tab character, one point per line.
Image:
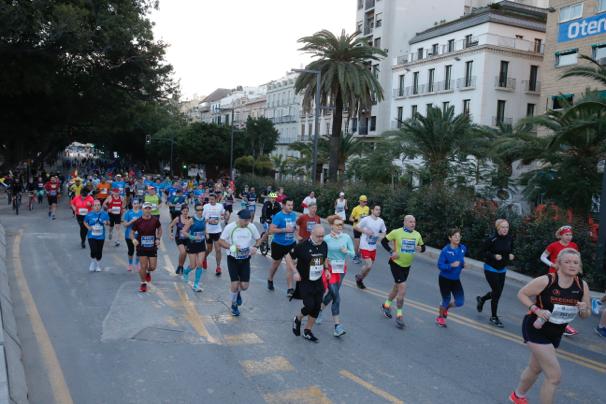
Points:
93	338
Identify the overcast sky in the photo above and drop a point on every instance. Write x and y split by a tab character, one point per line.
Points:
226	43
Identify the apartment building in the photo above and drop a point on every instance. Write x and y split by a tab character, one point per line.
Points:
487	64
283	108
574	28
245	108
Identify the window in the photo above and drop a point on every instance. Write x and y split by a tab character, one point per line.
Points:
430	80
434	49
447	77
401	85
566	58
415	83
519	36
311	129
601	6
354	125
399	118
360	4
302	131
377	43
445	106
599	51
420	53
328	129
503	73
413	111
468	72
468	41
451	45
538	45
466	106
379	20
373	123
428	107
532	82
559	101
530	110
500	112
571	12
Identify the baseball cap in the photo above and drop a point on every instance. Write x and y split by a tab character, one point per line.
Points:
147	205
244	214
341	193
363	198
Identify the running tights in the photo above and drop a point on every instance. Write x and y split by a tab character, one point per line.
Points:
497	282
96	248
130	246
333	294
83	229
451	287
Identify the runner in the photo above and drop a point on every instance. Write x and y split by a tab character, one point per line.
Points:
40	190
311	257
553	300
241	239
102	190
81	205
406	243
270	208
181	239
600	329
281	196
357	214
175	203
139	189
283	227
131	217
119	183
228	203
53	192
76	187
372	229
115	206
340	246
95	223
195	229
564	236
307	221
498	253
341	206
309	199
450	263
214	213
154	200
250	197
146	234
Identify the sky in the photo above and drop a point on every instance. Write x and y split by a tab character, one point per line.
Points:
227	43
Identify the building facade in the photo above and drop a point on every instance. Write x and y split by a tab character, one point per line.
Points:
574	28
487	64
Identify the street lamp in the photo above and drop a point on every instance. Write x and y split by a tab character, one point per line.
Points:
318	74
231	142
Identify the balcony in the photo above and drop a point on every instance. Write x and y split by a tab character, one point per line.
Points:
363	130
444	86
532	87
369	4
284	119
500	120
466	83
399	92
504	83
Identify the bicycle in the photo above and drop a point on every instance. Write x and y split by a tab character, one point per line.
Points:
264	247
17	203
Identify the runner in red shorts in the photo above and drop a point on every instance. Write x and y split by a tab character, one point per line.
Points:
373	230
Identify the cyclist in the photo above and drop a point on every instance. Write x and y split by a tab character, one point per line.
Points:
270	208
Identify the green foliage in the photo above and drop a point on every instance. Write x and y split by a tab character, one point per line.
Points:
260	137
245	164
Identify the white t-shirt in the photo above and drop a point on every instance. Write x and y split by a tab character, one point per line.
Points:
307	201
213	215
377	226
243	238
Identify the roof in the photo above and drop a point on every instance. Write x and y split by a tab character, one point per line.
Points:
216	95
505	12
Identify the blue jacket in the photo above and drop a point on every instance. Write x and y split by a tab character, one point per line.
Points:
448	255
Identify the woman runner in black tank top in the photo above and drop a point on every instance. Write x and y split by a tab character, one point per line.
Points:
178	223
553	301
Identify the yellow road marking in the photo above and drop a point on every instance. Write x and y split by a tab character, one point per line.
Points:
58	385
578	359
242	339
308	395
194	318
272	364
370	387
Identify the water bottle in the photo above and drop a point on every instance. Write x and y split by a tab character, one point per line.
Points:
538	323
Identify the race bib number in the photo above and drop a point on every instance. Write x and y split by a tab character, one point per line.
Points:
115	210
340	209
408	246
562	314
199	236
242	253
178	207
213	220
154	206
310	226
291	235
315	272
140	192
148	241
337	266
82	211
53	192
372	240
97	230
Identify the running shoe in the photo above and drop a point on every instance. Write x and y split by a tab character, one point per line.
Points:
596	306
290	293
496	322
91	267
143	288
82	245
218	271
569	331
307	334
97	267
339	330
480	304
356	260
320	318
148	277
117	244
441	321
270	285
179	270
400	321
205	263
296	326
130	267
386	311
360	283
513	397
54	217
196	287
601	331
239	299
234	310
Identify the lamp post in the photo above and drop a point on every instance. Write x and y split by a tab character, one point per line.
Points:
602	230
318	74
231	142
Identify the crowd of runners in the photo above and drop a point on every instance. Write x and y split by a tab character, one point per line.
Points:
127	208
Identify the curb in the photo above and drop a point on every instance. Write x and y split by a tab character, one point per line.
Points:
13	386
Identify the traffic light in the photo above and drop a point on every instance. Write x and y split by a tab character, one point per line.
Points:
147	139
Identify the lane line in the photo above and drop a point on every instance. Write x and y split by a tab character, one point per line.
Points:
56	378
308	395
194	318
272	364
572	357
374	389
242	339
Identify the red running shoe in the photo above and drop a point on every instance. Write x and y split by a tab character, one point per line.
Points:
218	271
569	331
513	397
441	321
204	264
143	288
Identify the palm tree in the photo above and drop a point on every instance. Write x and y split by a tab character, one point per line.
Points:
349	146
594	71
346	81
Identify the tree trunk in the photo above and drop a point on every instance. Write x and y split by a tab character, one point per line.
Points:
335	138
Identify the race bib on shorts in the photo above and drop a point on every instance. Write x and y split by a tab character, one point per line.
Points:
408	246
562	314
82	211
148	241
97	230
337	266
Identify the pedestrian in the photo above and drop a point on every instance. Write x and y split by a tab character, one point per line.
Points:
95	223
553	300
307	221
357	214
450	263
310	255
283	228
498	253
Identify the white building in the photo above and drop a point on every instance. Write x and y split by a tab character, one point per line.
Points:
283	108
391	24
486	63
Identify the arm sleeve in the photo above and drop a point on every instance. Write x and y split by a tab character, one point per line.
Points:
545	258
386	246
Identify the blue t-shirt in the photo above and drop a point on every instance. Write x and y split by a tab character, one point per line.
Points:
448	255
120	185
96	221
128	216
281	220
197	231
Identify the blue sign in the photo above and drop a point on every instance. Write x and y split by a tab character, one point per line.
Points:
577	29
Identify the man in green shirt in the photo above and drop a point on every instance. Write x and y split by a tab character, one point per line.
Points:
406	243
155	201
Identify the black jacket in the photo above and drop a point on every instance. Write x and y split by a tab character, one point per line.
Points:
501	245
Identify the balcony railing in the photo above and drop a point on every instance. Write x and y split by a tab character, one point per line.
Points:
505	83
466	83
500	120
531	87
399	92
447	85
284	119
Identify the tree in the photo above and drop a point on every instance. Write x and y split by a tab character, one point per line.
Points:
346	81
594	71
260	137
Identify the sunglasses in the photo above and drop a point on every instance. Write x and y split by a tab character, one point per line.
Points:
147	207
199	210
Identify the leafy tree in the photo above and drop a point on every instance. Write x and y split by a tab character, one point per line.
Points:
593	71
260	136
346	81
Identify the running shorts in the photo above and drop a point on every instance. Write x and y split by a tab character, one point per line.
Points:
182	241
229	208
195	248
114	219
531	334
151	253
400	274
239	270
52	199
357	234
368	255
279	251
213	237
